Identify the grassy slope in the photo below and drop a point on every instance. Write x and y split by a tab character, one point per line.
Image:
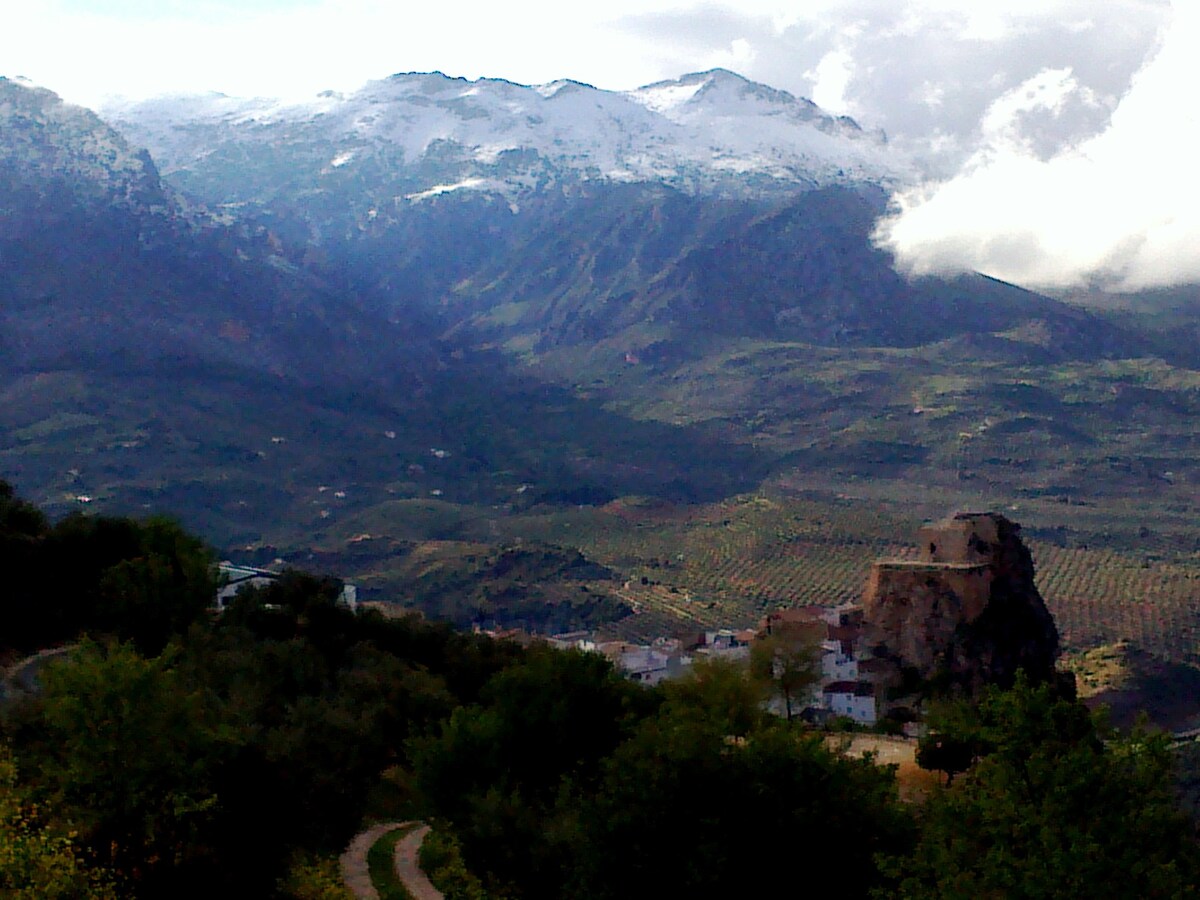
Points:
381	861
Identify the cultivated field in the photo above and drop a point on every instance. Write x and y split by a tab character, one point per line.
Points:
1105	574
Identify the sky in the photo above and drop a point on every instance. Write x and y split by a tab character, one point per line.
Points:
1057	134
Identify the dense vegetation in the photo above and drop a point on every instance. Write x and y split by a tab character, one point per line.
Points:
181	755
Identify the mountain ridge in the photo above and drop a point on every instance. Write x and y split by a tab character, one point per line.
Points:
705	132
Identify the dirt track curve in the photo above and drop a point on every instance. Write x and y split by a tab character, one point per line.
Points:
356	872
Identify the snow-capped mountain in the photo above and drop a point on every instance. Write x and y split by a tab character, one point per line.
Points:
406	267
101	266
708	132
561	215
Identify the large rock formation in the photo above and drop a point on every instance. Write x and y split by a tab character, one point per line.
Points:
966	612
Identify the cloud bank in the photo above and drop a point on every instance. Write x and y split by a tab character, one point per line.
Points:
1118	210
926	71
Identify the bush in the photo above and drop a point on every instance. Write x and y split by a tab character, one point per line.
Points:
314	878
441	859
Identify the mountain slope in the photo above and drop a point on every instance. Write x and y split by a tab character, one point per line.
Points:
102	266
559	215
321	348
153	357
632	267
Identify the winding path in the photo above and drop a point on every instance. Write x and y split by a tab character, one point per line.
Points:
408	868
357	875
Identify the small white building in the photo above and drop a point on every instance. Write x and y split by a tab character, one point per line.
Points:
573	640
233	578
838	662
644	665
854	699
726	644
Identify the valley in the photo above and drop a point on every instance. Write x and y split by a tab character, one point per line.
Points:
413	338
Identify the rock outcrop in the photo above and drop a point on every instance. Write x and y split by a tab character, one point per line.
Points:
966	613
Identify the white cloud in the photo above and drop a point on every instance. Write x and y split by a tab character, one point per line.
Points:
326	44
884	50
1048	90
1120	208
831	77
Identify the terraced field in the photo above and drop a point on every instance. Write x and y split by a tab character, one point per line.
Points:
1126	572
724	564
1100	596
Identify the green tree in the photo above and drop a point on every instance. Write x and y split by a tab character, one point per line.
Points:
1054	808
23	621
127	754
945	753
139	581
37	861
720	693
687	809
156	593
497	773
17	517
314	878
789	661
441	859
955	738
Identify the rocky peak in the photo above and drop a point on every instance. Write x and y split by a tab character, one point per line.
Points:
966	610
45	142
417	135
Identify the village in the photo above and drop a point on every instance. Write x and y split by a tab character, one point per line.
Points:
831	635
918	619
858	663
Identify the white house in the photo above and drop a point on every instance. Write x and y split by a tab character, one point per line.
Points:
726	643
644	665
233	578
855	699
838	662
573	640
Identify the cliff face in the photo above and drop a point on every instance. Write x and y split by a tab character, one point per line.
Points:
967	610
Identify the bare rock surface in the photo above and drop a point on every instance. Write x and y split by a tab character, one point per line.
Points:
967	610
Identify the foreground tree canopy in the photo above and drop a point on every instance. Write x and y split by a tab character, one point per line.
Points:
137	581
172	754
1053	806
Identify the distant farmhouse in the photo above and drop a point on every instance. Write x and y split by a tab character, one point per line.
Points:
233	578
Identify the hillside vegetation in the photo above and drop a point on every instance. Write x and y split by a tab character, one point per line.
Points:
234	753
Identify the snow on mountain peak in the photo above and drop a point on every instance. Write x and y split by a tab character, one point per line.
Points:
666	96
710	130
